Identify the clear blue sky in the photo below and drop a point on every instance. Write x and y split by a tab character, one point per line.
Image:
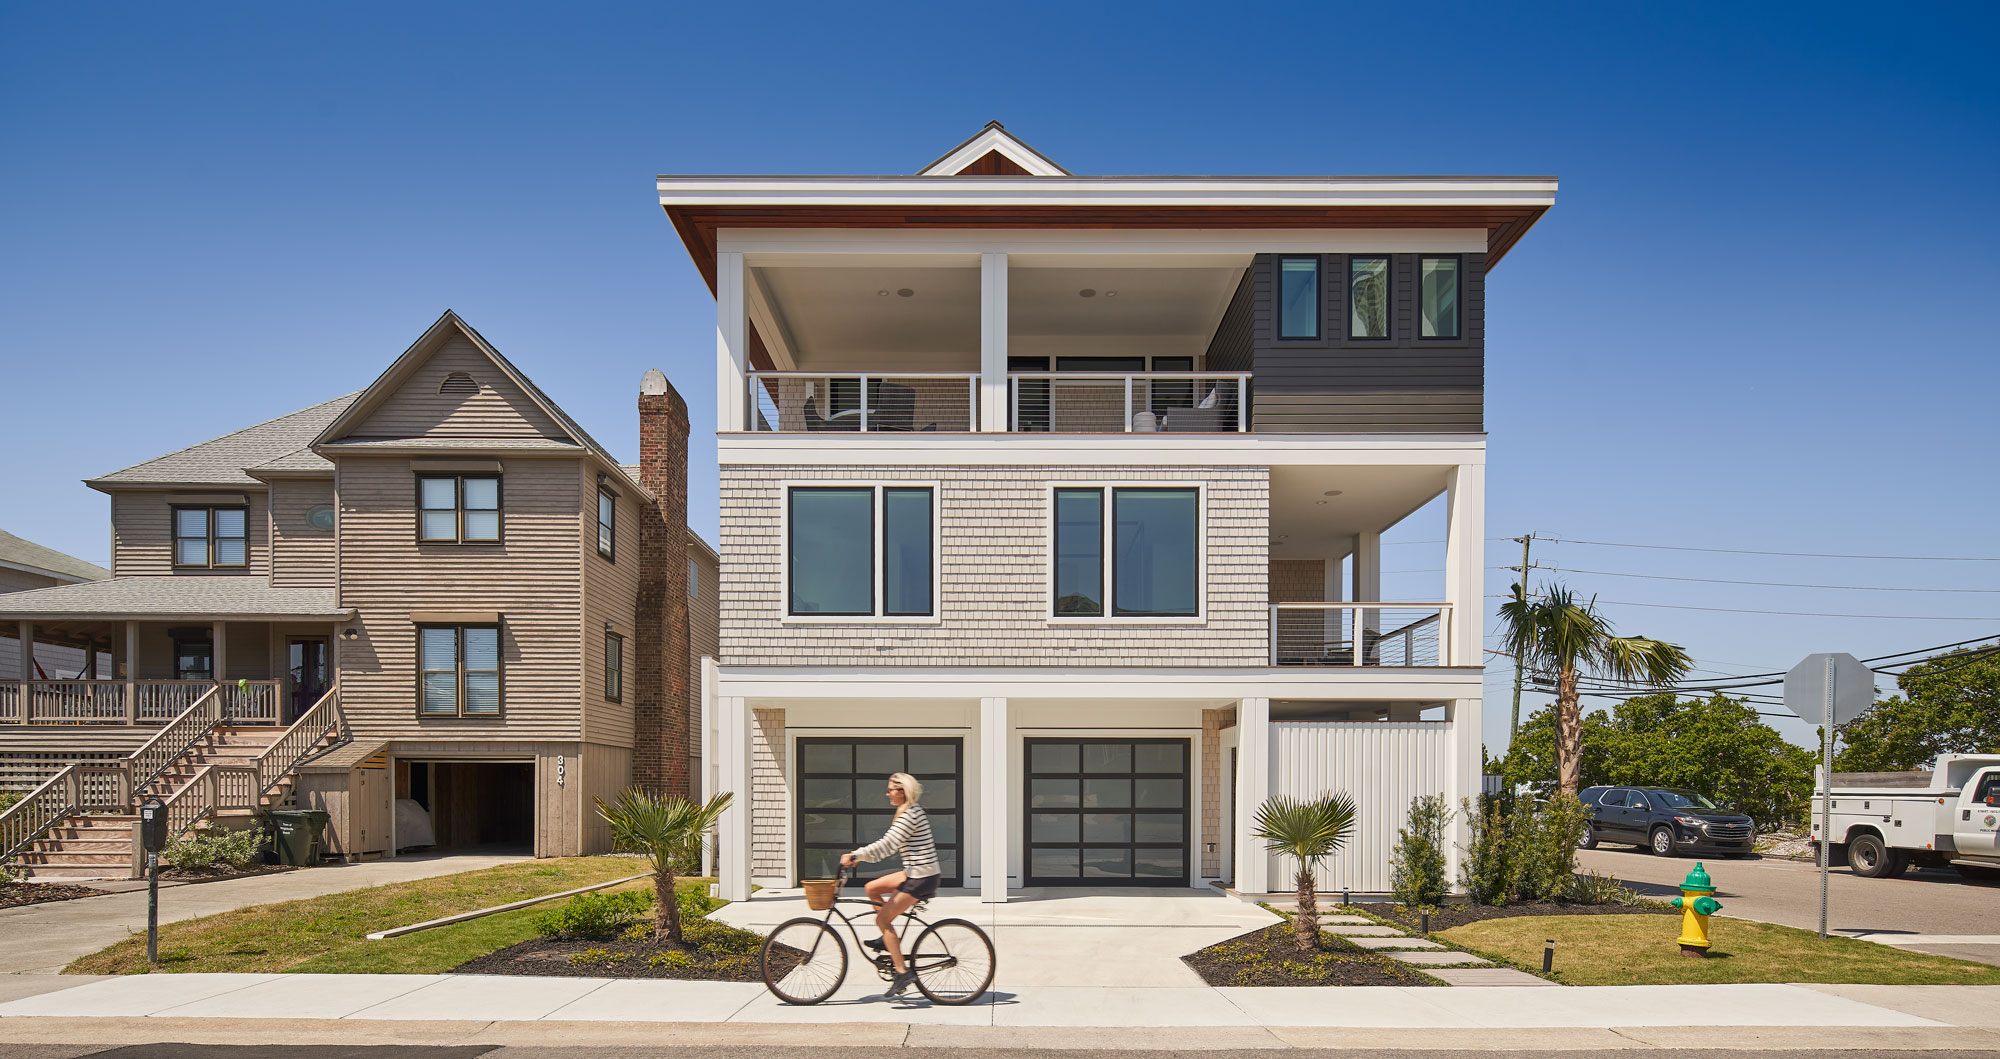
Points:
1760	316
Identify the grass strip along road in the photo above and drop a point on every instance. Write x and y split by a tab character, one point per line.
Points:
1641	950
326	934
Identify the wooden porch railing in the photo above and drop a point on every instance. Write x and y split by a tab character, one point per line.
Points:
118	702
10	704
74	789
303	739
184	731
212	789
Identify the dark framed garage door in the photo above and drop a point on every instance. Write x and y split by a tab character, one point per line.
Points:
1107	812
841	804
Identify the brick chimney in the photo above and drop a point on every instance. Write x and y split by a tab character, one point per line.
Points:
662	669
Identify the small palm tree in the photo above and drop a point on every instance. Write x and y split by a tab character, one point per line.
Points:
1552	633
1306	831
663	828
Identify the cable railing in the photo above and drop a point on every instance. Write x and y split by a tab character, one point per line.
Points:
1095	402
1387	634
871	402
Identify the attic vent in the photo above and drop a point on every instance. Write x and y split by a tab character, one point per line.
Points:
460	383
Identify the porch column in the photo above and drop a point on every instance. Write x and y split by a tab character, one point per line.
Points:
1253	785
733	835
26	631
732	346
218	655
705	749
995	766
1465	562
1466	779
1367	587
131	672
993	342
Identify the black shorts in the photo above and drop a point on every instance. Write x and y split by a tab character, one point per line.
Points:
922	889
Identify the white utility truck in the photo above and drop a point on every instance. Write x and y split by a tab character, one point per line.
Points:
1887	821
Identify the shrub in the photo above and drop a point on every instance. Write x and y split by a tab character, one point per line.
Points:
597	957
8	799
1543	840
1485	871
1417	866
695	903
677	961
594	915
1590	888
212	847
712	937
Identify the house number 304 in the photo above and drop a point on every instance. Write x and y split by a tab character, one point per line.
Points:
561	768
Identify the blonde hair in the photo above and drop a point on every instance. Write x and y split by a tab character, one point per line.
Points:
912	790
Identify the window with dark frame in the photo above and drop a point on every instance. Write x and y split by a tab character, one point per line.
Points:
834	567
1438	300
194	659
614	667
1298	297
1145	550
607	524
1368	297
458	670
211	538
458	508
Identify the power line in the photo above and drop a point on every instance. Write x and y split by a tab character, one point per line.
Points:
1805	555
1771	584
1794	613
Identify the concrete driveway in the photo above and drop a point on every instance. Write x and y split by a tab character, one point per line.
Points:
1925	911
1106	938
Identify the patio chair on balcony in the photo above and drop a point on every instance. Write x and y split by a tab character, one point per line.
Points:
1216	412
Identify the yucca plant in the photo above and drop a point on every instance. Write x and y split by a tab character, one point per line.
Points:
1551	633
1306	831
663	828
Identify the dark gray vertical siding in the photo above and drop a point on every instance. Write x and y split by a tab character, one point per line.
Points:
1334	384
1234	346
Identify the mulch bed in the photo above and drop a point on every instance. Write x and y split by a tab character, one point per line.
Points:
14	895
1271	956
612	958
220	871
1458	915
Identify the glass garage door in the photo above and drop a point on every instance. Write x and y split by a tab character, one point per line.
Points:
842	805
1107	812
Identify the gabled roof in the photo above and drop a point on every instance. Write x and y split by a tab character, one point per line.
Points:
167	596
226	460
18	554
1015	158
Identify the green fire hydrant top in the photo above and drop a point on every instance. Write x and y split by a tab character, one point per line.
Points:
1698	880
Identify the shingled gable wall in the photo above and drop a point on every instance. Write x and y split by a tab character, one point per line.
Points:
661	661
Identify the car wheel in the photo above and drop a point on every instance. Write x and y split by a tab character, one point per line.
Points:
1869	858
1589	840
1663	842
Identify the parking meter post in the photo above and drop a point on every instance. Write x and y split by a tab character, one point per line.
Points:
153	836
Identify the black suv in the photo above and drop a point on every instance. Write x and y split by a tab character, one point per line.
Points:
1666	820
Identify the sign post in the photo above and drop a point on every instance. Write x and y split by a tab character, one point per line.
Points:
153	837
1828	690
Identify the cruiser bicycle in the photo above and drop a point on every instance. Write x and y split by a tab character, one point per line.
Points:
804	960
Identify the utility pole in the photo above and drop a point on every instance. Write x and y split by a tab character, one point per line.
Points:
1514	724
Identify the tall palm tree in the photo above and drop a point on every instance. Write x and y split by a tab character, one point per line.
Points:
1306	831
663	828
1552	633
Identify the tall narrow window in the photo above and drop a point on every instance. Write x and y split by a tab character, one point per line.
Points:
458	670
1079	558
906	552
832	550
1368	297
212	537
694	579
1438	278
607	525
614	667
1298	297
457	508
1154	553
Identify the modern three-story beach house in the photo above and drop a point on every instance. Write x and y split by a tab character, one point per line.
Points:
1065	494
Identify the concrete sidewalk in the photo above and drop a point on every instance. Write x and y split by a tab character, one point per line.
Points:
45	938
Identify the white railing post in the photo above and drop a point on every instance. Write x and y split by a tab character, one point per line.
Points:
972	422
1128	404
1242	403
1274	634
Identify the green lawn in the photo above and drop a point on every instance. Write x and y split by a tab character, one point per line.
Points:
326	934
1640	950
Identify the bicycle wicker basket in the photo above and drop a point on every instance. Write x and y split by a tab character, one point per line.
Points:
820	893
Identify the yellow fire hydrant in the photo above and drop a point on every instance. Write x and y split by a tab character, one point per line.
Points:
1697	902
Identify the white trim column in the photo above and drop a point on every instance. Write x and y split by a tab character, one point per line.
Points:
1253	785
705	784
1468	770
993	342
734	776
1367	586
732	345
1465	562
995	766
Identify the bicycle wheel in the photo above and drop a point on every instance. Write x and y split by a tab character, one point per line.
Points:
954	962
803	961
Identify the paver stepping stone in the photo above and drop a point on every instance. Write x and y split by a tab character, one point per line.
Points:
1436	959
1361	930
1354	920
1486	976
1395	943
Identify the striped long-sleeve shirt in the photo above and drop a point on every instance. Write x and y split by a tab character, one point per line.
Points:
910	835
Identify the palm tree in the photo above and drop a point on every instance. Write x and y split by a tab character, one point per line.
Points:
663	828
1552	633
1306	831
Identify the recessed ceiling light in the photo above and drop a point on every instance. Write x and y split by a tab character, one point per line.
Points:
881	294
1111	294
1087	292
1331	492
905	293
1321	503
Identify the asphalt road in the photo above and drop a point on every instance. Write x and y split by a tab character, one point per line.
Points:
1920	905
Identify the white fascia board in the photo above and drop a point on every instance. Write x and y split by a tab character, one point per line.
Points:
1171	247
1245	449
737	191
992	139
1069	683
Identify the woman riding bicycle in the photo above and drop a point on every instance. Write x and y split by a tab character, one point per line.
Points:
893	894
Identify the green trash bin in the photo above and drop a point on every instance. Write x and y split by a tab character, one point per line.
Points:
296	833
